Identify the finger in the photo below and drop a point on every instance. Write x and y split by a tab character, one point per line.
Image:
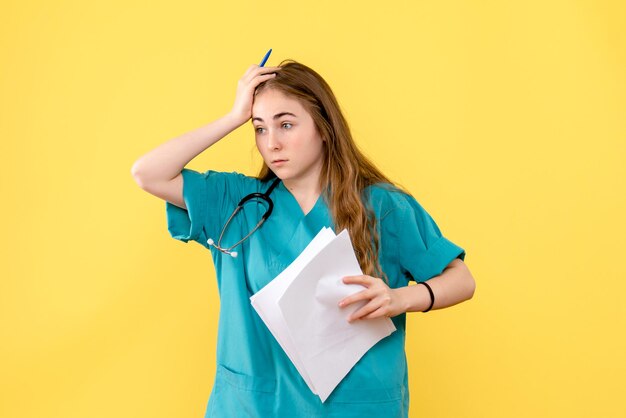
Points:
383	311
265	70
365	310
270	68
250	69
263	77
362	295
260	78
255	71
361	279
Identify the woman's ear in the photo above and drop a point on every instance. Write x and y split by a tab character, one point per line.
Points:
320	135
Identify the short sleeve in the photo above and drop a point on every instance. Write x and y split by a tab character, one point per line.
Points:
207	195
421	249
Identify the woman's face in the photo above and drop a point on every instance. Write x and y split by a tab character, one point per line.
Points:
287	138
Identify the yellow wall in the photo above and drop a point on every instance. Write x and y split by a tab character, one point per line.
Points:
506	120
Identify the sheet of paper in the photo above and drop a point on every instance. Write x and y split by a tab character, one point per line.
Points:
265	301
328	345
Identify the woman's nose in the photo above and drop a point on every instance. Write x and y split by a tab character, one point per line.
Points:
273	141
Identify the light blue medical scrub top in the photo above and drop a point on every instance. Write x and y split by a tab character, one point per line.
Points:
254	377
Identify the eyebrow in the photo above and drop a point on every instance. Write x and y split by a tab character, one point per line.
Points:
276	116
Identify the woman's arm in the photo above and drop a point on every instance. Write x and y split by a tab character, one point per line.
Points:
167	160
454	285
158	171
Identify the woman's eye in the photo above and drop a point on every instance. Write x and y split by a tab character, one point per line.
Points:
286	125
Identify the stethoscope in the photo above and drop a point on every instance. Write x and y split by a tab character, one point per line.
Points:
270	206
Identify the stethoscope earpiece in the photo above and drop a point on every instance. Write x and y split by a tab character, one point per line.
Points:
233	254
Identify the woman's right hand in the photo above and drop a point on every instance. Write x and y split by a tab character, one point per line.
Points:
255	75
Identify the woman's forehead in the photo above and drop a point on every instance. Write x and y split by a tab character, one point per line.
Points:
269	103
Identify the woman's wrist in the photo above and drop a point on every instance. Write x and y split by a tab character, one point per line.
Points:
234	120
414	298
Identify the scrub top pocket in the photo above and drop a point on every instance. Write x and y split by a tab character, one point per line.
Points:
240	395
366	403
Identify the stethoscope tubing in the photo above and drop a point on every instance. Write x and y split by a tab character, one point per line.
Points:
270	207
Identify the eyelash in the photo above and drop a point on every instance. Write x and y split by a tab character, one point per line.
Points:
284	123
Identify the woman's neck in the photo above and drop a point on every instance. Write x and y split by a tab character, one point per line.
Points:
305	191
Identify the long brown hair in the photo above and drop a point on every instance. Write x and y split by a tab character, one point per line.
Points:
346	172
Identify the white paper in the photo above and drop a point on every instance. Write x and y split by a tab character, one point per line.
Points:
300	307
265	301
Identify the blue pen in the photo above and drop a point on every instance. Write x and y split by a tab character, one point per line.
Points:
265	58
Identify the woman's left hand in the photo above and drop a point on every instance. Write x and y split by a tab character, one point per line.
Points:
383	301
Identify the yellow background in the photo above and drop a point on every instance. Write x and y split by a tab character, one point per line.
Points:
505	119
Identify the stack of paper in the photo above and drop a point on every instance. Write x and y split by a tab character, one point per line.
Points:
300	308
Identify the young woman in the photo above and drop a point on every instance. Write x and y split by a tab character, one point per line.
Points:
316	177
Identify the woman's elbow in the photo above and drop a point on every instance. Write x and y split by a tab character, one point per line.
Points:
470	287
469	284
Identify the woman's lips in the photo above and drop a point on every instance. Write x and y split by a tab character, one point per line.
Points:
278	162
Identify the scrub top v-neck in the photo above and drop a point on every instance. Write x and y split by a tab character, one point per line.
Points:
254	376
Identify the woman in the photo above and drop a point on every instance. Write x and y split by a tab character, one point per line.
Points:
316	177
